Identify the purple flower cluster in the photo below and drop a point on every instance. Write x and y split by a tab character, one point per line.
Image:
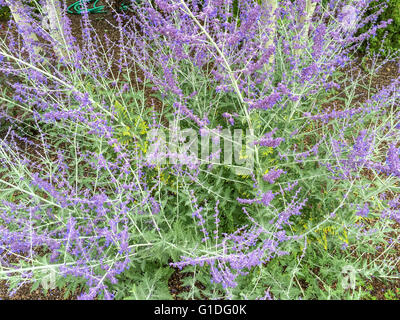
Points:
393	160
268	141
273	175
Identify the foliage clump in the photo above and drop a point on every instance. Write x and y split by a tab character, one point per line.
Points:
4	13
387	39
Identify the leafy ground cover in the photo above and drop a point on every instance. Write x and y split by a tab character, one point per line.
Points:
308	209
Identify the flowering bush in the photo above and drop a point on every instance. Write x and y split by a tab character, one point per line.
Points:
272	184
386	40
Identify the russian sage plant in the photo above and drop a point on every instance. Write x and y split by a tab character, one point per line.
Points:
243	173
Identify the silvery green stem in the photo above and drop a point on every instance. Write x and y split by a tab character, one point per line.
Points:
272	5
306	20
53	11
16	8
